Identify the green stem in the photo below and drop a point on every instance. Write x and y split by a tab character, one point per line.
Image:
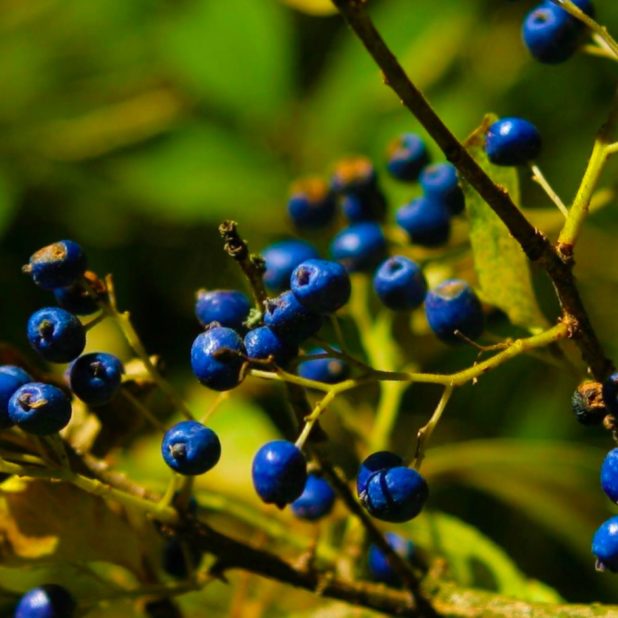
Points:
424	433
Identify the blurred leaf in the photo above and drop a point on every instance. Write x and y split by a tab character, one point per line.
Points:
8	203
501	265
236	54
313	7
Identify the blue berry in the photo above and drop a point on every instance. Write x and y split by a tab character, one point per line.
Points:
290	320
190	448
262	342
81	298
95	378
380	460
227	307
56	266
379	567
609	475
282	258
312	204
216	358
329	370
180	559
57	335
279	472
11	378
610	393
588	404
359	247
426	220
512	141
48	601
370	206
407	156
396	494
400	284
440	182
38	408
316	501
453	306
605	544
321	286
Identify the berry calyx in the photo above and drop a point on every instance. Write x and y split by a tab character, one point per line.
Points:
48	601
57	335
95	378
321	286
57	265
228	308
512	141
316	501
190	448
38	408
400	284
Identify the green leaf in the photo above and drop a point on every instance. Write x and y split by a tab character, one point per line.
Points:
313	7
501	265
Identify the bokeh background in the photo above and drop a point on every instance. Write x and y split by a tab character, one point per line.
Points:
136	127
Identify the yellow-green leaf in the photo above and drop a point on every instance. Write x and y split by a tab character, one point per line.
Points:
313	7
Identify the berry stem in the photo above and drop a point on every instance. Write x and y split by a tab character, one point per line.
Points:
539	178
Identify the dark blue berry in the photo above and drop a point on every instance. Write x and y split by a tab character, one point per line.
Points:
426	220
379	566
81	298
329	370
279	472
312	204
407	156
190	448
380	460
227	307
369	206
57	335
396	494
321	286
282	258
316	501
11	378
95	378
400	284
180	559
290	320
359	247
588	404
605	544
512	141
48	601
610	393
57	266
216	358
440	182
38	408
453	306
262	342
609	475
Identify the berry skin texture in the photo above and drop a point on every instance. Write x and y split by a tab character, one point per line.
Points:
359	247
610	393
380	460
11	378
407	156
321	286
290	320
329	370
609	475
38	408
397	494
216	358
279	472
56	266
454	306
312	205
605	545
229	308
512	141
400	284
588	404
440	182
262	342
379	568
95	378
57	335
281	259
48	601
316	501
190	448
426	220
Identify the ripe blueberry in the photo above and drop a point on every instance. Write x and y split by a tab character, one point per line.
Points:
329	370
227	307
440	182
48	601
57	335
57	266
380	460
11	378
512	141
321	286
316	501
290	320
400	284
279	472
216	358
426	220
359	247
379	566
609	475
605	544
453	306
262	342
95	378
190	448
81	297
282	258
407	156
38	408
588	404
312	204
